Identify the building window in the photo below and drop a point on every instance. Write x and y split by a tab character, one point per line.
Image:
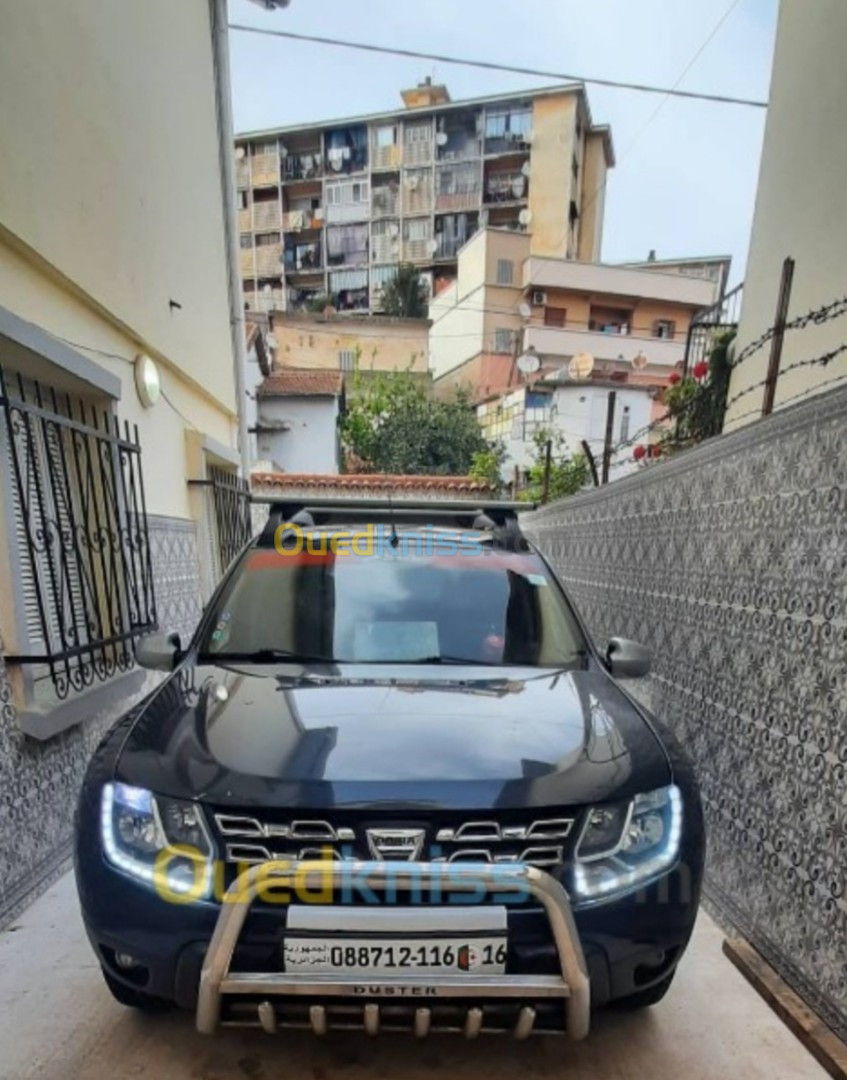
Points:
503	340
242	200
385	135
505	271
246	241
664	328
575	167
624	424
264	148
266	239
346	359
555	316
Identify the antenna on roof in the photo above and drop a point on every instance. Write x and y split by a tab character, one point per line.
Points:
394	539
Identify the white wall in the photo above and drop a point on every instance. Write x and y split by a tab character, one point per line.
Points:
110	169
310	445
800	202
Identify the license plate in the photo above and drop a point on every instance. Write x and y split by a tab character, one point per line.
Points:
351	955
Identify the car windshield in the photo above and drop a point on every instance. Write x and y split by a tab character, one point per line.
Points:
489	607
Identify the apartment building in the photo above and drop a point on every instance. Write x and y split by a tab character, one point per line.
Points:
329	210
587	328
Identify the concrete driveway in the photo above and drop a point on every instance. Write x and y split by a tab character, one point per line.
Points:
58	1022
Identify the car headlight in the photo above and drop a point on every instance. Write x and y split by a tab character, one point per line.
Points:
623	846
161	841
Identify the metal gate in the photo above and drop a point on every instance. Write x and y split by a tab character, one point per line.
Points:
231	503
80	532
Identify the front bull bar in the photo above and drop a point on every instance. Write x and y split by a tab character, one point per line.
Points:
216	979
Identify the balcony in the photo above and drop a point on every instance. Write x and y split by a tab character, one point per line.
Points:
417	250
268	260
385	202
267	299
387	157
385	247
457	201
245	220
561	343
417	192
264	170
245	261
266	216
242	173
505	188
302	167
302	220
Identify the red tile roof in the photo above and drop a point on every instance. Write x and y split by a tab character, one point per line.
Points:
384	482
302	382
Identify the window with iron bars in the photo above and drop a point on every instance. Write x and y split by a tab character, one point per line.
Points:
79	534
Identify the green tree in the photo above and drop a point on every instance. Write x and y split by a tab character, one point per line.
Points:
568	474
405	295
392	425
487	466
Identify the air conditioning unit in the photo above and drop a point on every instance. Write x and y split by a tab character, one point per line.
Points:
539	297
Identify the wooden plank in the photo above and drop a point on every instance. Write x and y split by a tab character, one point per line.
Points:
819	1039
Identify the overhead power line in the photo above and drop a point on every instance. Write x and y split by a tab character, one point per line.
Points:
720	99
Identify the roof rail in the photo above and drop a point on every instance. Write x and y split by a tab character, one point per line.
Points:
497	517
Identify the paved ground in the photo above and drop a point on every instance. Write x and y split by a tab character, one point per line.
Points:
58	1022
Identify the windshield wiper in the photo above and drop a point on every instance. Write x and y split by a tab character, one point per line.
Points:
265	656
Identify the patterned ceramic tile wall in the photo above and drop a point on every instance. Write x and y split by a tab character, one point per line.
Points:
39	780
731	563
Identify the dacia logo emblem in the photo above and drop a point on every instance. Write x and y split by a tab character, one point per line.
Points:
396	845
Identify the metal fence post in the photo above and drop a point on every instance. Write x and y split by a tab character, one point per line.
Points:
778	335
607	442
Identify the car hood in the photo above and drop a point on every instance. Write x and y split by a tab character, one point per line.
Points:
395	736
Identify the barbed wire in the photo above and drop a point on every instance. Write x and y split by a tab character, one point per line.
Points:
815	316
823	360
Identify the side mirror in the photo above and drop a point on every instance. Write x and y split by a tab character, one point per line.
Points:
626	659
158	652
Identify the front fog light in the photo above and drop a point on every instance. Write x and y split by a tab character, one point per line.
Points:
626	845
161	841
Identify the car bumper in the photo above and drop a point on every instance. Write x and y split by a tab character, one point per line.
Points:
560	960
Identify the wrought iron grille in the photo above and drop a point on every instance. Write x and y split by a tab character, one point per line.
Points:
708	324
77	497
231	502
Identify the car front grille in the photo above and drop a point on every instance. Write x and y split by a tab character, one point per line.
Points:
542	841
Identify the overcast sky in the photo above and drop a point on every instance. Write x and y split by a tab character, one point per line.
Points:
684	185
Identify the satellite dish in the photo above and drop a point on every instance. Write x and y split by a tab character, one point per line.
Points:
282	150
525	217
581	366
432	246
639	361
441	138
272	341
530	135
528	362
239	153
267	289
526	168
524	309
412	183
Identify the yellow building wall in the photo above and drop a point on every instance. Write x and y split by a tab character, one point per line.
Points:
799	207
592	198
35	296
550	182
110	168
394	347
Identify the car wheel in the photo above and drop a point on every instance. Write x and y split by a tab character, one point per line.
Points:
132	998
652	995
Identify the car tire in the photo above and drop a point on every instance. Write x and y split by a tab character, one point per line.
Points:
132	998
652	995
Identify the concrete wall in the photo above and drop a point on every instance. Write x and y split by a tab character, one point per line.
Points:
551	181
110	208
110	168
310	445
385	344
800	202
593	200
728	562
